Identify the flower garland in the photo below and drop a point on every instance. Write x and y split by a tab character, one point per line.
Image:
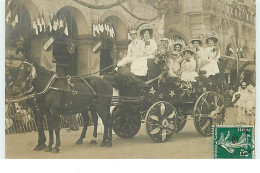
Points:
100	7
159	15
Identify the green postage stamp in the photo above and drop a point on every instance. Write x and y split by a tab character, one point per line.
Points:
233	142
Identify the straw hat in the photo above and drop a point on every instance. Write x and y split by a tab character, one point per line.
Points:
146	27
189	49
164	39
212	36
196	38
133	32
179	42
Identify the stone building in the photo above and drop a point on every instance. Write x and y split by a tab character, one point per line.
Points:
75	50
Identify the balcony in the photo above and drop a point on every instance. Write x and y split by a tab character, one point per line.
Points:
234	10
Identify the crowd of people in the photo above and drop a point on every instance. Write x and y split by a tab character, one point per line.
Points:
185	61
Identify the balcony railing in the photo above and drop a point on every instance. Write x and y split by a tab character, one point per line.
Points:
234	10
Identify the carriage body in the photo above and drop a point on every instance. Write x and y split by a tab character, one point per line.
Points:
167	103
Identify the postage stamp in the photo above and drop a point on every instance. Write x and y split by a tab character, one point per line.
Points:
236	142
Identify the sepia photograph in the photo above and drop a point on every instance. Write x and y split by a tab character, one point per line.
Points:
130	79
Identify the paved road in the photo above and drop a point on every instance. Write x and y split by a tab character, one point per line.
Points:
186	144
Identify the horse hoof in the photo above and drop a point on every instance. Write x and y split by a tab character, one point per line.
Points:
108	144
39	147
48	149
103	144
79	141
55	150
93	142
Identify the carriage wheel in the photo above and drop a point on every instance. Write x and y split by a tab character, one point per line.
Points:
126	122
209	110
181	122
160	121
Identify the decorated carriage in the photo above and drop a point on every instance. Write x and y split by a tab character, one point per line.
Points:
166	104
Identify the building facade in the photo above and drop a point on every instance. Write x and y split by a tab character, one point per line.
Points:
70	46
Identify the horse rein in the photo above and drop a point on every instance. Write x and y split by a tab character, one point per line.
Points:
32	76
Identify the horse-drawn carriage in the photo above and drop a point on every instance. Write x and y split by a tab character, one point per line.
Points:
165	105
163	102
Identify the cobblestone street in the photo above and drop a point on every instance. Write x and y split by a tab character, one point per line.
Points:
186	144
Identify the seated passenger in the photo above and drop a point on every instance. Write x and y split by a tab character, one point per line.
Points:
188	66
173	64
212	54
164	45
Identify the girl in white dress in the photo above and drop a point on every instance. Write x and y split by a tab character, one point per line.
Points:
199	51
174	64
188	66
148	47
212	55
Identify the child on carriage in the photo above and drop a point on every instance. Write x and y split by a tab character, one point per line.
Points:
188	65
173	64
196	41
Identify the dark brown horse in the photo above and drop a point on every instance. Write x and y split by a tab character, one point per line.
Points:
65	95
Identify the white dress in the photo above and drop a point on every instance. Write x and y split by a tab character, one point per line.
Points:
200	56
188	70
133	50
139	65
174	66
212	57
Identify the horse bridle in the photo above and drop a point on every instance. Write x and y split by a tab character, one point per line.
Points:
33	73
29	78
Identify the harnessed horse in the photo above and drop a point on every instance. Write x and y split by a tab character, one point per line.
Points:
63	95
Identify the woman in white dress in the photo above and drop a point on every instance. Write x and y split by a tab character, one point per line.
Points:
139	65
212	55
188	66
133	50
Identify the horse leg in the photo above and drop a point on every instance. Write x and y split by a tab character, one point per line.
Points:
85	116
41	135
50	128
95	122
107	120
109	142
56	125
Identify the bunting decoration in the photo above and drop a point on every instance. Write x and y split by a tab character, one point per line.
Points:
103	31
35	27
53	24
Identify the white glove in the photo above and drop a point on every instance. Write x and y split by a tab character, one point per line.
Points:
120	63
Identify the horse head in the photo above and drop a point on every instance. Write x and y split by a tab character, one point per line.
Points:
22	78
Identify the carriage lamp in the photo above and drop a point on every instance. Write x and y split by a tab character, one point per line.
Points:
71	48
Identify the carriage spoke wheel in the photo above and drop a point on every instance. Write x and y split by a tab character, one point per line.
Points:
181	120
126	122
209	110
160	121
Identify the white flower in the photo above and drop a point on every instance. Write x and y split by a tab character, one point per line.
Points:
172	93
152	91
